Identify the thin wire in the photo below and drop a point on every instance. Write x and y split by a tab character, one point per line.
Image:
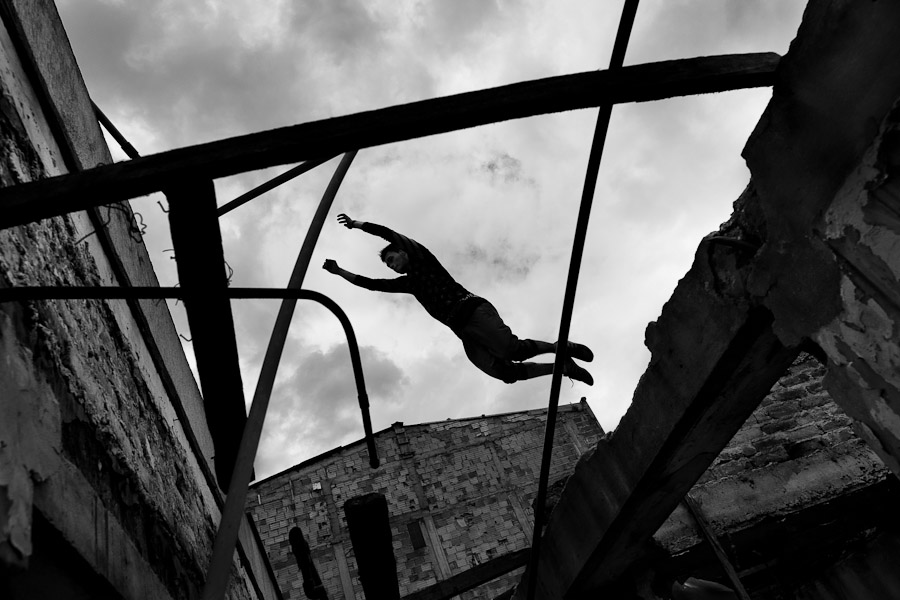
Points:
137	228
584	212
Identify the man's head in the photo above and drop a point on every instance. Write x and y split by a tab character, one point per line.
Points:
395	258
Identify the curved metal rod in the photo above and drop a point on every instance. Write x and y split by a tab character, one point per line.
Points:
217	574
357	366
626	22
25	294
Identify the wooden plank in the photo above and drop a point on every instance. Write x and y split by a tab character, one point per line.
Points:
329	137
467	580
716	546
201	268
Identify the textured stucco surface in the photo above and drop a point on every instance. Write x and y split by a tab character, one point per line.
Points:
88	431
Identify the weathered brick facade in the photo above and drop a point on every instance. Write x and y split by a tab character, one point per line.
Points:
790	494
796	419
467	485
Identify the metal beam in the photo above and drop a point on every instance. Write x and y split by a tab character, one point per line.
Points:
311	141
201	267
124	144
271	185
26	294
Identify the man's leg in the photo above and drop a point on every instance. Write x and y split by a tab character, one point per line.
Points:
510	372
487	328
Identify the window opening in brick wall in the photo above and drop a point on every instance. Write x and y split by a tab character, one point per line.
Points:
415	534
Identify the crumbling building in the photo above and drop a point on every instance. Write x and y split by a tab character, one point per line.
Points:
796	501
113	465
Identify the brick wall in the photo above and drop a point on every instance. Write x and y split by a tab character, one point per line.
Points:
796	419
796	450
467	485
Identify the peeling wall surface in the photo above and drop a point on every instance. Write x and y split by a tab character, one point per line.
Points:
467	485
810	260
824	160
91	446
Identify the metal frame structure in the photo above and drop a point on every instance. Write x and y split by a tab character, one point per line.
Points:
185	175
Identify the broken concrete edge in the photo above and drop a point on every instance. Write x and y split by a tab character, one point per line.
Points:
708	350
829	104
797	138
827	148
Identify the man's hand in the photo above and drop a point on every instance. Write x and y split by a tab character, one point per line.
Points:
347	221
331	266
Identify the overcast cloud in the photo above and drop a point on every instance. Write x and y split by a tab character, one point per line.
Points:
496	204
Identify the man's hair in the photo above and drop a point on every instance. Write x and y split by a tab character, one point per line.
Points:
392	247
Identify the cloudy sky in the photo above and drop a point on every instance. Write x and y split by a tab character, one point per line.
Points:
496	204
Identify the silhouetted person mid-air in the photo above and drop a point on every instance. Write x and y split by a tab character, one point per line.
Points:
488	341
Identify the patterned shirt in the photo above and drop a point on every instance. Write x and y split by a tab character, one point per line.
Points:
426	279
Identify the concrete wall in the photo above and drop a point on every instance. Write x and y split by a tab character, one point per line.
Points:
467	484
102	436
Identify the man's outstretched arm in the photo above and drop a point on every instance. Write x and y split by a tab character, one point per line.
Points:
332	267
411	247
378	285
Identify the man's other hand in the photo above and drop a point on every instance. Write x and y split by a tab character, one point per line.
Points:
330	266
347	221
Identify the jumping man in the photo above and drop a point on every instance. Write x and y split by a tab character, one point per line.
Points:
489	343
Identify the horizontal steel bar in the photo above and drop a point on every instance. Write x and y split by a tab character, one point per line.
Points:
24	294
107	184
